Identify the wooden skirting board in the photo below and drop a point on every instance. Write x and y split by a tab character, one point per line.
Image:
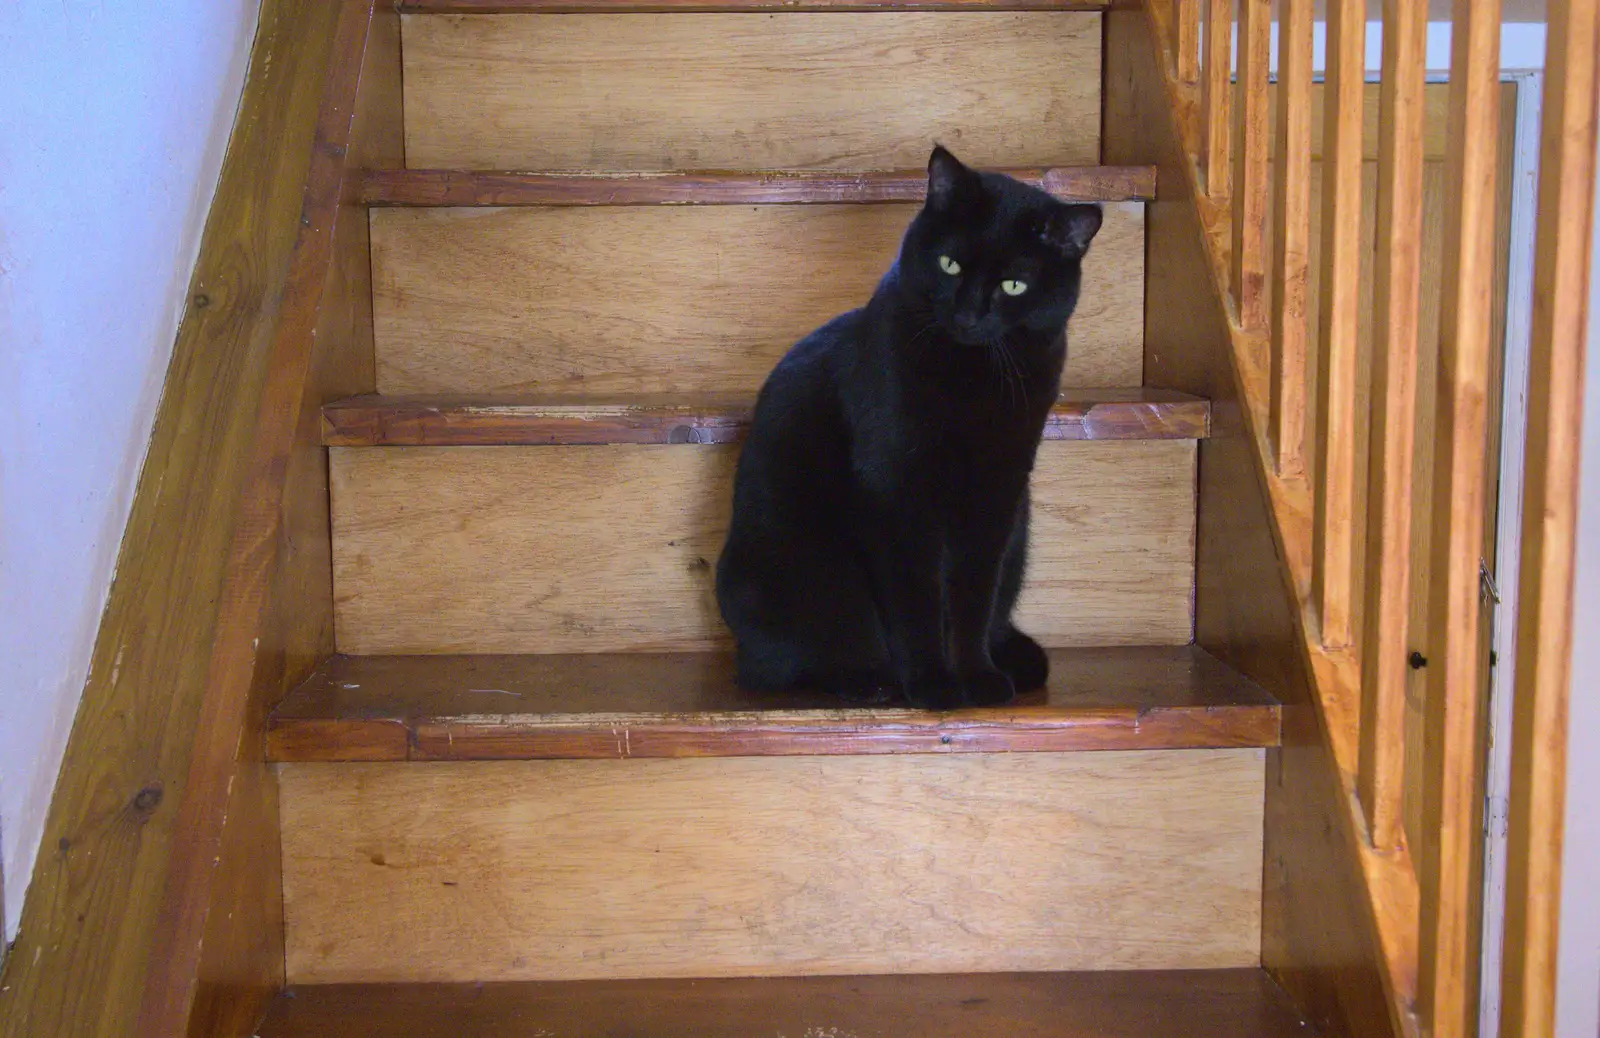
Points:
377	421
596	706
671	299
455	187
771	866
613	548
1241	1003
786	90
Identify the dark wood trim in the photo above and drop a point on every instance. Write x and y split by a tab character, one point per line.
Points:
451	187
399	708
1241	1003
376	421
732	6
1320	934
238	672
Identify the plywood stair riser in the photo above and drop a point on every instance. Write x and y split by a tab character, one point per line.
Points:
606	549
735	91
569	870
662	299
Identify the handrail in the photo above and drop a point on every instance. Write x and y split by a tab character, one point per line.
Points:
1354	565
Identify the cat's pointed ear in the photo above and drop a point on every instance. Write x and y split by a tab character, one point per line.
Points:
1072	227
946	178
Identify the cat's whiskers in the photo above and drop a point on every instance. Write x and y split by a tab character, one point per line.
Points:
1010	370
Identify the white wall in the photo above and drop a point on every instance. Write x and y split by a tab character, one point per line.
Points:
114	116
1578	967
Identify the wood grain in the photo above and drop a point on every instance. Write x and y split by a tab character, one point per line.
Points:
1216	99
1291	242
569	870
1450	858
671	299
1562	274
687	705
1335	915
1240	1003
1436	106
691	6
1250	163
729	91
379	421
1333	531
1397	286
275	609
452	187
1186	40
607	549
142	919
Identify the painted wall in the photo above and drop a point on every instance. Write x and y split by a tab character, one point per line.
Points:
1578	968
114	117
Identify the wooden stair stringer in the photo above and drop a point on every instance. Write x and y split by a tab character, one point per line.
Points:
1390	878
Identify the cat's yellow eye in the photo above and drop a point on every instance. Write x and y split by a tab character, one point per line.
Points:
1013	288
949	266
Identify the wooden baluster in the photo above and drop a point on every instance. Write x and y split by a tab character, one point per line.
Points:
1216	88
1186	39
1397	283
1291	238
1333	547
1250	163
1450	856
1549	507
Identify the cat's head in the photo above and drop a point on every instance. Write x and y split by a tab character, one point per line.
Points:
990	256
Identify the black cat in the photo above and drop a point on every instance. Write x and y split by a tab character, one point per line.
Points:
880	509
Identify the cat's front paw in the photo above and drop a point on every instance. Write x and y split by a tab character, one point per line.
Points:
1022	658
989	688
935	692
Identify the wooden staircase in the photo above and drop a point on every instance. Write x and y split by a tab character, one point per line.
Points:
412	713
530	751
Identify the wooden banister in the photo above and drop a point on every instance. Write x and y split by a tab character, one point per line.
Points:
1423	874
1216	89
1397	282
1250	169
1186	39
1291	239
1450	859
1550	501
1333	532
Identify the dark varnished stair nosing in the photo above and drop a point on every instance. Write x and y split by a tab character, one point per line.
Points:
432	708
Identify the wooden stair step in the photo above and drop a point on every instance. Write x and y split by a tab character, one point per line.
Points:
1236	1003
601	706
703	6
458	421
448	187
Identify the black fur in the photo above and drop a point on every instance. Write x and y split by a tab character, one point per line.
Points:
880	510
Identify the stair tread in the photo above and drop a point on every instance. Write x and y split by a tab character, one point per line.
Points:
455	187
458	420
1233	1003
588	706
687	6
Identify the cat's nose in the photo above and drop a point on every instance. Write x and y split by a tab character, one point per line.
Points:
966	321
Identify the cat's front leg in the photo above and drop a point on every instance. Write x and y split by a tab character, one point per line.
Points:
980	534
906	553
